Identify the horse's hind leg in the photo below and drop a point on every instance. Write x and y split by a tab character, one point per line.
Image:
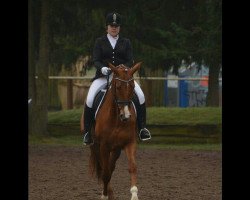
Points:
110	195
106	172
130	152
104	197
114	155
110	192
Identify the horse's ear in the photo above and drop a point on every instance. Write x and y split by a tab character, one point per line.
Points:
135	67
112	67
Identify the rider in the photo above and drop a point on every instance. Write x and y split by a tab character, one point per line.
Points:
117	50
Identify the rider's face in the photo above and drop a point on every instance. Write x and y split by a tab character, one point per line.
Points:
113	30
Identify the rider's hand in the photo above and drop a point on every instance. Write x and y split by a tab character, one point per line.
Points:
105	70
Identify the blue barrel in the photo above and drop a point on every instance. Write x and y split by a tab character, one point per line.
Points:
165	93
183	94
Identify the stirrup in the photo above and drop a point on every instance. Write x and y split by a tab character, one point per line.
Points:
144	139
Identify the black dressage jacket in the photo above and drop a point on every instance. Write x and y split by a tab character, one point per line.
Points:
103	53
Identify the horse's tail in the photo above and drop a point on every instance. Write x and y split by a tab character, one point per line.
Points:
94	161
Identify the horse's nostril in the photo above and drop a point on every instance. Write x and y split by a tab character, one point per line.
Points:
125	119
121	116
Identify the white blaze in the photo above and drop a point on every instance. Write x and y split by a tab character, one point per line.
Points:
126	112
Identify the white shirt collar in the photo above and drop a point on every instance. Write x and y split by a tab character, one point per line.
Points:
112	40
111	37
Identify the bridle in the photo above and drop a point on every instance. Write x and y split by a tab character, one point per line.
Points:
122	89
123	102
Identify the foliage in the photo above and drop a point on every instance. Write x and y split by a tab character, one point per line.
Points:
163	33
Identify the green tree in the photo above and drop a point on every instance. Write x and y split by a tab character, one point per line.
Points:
166	33
211	45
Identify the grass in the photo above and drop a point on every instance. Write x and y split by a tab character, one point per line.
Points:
180	116
65	116
190	146
66	136
155	116
65	140
76	141
64	128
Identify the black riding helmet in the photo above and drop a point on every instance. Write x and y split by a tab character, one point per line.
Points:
113	19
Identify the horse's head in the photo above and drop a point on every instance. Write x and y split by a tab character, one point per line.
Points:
123	88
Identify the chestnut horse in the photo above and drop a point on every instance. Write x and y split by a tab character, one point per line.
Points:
116	130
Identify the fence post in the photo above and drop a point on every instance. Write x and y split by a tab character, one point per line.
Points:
69	94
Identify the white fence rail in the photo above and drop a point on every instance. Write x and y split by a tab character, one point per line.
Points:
136	78
170	92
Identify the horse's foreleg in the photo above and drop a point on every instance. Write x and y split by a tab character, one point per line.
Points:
134	192
130	152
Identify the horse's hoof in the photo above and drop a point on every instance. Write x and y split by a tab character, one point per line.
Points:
104	197
134	197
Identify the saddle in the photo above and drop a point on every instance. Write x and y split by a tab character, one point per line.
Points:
98	100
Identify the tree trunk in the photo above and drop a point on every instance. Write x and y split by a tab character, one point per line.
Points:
33	119
31	75
40	110
213	86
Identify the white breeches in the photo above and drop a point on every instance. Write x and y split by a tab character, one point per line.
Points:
100	84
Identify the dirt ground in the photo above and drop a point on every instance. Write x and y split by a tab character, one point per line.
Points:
61	173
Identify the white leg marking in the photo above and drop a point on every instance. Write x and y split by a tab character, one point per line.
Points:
104	197
134	192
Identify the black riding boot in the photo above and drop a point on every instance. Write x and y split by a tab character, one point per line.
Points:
88	119
144	133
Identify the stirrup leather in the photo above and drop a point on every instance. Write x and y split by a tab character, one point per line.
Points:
90	140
